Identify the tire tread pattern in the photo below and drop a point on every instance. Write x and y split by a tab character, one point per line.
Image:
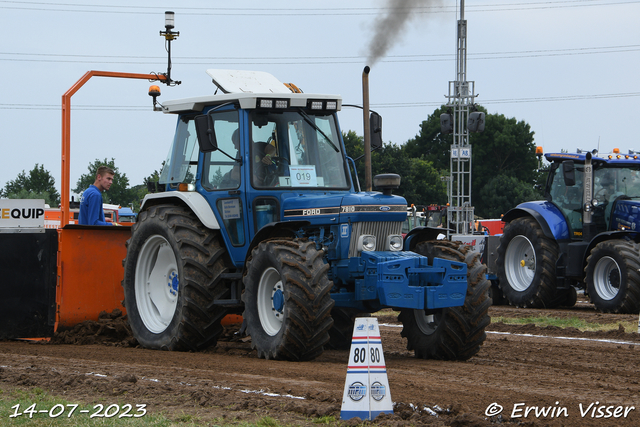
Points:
629	301
542	292
308	302
461	330
196	324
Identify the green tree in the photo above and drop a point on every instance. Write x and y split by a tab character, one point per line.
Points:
504	192
37	184
420	182
118	194
430	144
506	147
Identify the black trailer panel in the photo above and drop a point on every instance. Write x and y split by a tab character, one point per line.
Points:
28	285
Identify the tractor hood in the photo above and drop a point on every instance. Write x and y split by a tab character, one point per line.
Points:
626	215
340	208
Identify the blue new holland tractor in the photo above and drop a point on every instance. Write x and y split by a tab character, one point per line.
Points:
259	216
585	235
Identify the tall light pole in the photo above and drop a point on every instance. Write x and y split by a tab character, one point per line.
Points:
460	214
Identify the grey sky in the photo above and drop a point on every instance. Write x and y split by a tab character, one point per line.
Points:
566	67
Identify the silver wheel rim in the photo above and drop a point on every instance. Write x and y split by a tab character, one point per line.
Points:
156	284
426	322
271	301
607	278
520	263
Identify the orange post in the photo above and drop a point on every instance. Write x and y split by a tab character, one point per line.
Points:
66	129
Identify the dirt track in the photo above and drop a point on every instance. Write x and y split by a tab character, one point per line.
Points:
513	370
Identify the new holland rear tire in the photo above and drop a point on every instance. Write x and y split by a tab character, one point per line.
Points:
454	333
526	265
287	302
613	278
171	276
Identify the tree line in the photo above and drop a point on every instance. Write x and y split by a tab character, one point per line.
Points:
504	168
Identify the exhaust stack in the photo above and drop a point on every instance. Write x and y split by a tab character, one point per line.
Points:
367	130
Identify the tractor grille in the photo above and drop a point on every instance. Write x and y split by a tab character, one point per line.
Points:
379	229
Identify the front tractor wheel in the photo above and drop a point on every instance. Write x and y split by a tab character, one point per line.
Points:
526	265
287	300
454	333
613	276
171	276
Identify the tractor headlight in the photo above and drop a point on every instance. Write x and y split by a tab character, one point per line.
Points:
394	242
589	206
366	242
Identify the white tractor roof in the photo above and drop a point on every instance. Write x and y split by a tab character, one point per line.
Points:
245	87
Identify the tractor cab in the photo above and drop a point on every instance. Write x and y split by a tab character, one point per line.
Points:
253	156
613	178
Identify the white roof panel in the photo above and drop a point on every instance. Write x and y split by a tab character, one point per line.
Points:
239	81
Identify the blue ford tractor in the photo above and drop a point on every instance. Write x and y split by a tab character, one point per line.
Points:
259	216
585	235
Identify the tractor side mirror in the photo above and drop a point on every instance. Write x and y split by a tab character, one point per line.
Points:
446	124
375	128
569	173
206	135
475	123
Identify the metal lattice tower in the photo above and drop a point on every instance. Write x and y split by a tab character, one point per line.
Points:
461	97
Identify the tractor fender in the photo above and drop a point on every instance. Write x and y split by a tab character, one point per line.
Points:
611	235
275	229
550	218
421	234
194	201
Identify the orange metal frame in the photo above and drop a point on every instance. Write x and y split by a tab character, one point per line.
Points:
66	128
89	258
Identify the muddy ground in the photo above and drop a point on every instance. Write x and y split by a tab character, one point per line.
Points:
518	367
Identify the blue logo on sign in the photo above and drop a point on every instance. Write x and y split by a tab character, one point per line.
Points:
344	230
378	391
357	391
360	327
384	208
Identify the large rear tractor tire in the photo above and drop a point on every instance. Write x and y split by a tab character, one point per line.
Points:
613	276
454	333
287	302
526	265
341	333
171	276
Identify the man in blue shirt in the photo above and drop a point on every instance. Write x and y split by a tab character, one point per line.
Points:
91	212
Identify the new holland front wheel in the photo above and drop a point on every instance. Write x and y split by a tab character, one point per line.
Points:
171	277
287	300
526	265
454	333
613	277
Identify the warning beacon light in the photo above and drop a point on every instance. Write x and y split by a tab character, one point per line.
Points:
154	92
169	20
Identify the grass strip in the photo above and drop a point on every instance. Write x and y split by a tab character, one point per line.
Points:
569	322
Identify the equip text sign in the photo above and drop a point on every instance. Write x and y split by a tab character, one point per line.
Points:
21	213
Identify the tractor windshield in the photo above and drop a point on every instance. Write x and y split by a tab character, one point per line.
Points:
612	182
182	161
296	149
